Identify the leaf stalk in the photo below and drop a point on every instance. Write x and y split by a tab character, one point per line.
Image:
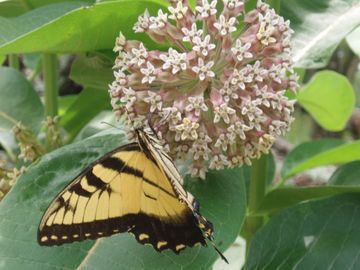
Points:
50	73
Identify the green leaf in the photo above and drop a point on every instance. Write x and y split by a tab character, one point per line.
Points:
74	26
95	71
320	234
222	198
288	196
19	101
319	27
356	84
11	8
275	4
304	152
347	175
32	60
65	102
301	128
250	5
338	155
329	97
103	121
353	39
87	105
301	72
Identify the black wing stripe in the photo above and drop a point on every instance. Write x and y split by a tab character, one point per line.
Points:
116	163
149	196
128	147
175	234
80	191
93	180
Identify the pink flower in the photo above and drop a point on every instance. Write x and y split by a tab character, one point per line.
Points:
204	69
225	26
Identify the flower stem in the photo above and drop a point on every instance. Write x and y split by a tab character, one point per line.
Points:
14	61
257	189
50	69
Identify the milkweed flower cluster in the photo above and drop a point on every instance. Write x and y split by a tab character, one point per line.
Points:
8	178
216	96
30	148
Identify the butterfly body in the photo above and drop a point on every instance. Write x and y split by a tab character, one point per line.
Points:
135	188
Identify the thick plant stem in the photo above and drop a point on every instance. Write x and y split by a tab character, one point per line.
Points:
50	73
257	189
14	61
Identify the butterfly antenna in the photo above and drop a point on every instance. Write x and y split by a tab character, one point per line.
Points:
111	125
206	227
219	252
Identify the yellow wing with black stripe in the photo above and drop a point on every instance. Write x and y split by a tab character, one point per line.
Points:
126	190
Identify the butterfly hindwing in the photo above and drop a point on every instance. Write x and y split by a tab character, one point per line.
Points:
123	191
